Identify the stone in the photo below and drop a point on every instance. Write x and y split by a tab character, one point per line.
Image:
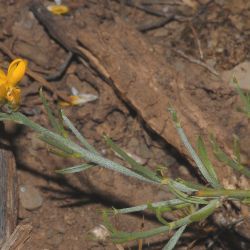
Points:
242	74
100	233
30	197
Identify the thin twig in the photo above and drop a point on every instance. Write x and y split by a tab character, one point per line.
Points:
146	9
196	61
160	2
156	24
197	41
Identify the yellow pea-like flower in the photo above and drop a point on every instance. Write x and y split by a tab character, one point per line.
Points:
3	92
13	96
3	77
73	101
8	90
58	9
16	72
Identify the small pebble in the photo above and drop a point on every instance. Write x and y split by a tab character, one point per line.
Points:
100	233
30	197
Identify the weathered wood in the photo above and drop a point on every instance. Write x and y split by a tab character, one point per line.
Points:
18	238
143	79
8	193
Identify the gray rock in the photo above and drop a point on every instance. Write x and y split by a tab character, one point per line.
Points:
242	74
30	197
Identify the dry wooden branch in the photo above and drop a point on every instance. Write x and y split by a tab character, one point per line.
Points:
194	60
17	239
8	192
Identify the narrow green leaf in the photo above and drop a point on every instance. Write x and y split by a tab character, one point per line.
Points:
75	169
57	144
228	193
185	197
168	208
174	239
62	154
183	187
245	98
236	148
135	165
246	201
121	237
107	222
158	213
202	152
204	212
54	138
170	203
53	121
78	135
196	158
21	119
193	186
65	143
221	156
174	116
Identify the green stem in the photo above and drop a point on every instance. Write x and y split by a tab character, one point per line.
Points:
224	192
204	212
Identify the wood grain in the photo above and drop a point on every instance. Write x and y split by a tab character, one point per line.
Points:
8	193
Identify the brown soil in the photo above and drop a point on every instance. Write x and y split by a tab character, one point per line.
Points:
214	32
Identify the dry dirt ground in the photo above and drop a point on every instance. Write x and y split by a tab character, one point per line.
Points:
63	210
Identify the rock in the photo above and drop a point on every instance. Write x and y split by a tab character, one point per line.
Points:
30	197
243	228
133	144
69	218
55	239
100	233
242	74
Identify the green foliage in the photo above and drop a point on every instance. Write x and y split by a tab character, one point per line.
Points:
206	171
138	168
174	239
75	169
199	200
223	157
57	126
245	97
202	152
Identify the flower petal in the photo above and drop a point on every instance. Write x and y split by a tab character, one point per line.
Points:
3	77
16	71
3	92
79	100
58	9
13	96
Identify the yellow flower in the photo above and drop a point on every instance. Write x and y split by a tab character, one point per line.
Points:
58	9
3	77
73	101
78	98
3	93
13	96
16	72
8	90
